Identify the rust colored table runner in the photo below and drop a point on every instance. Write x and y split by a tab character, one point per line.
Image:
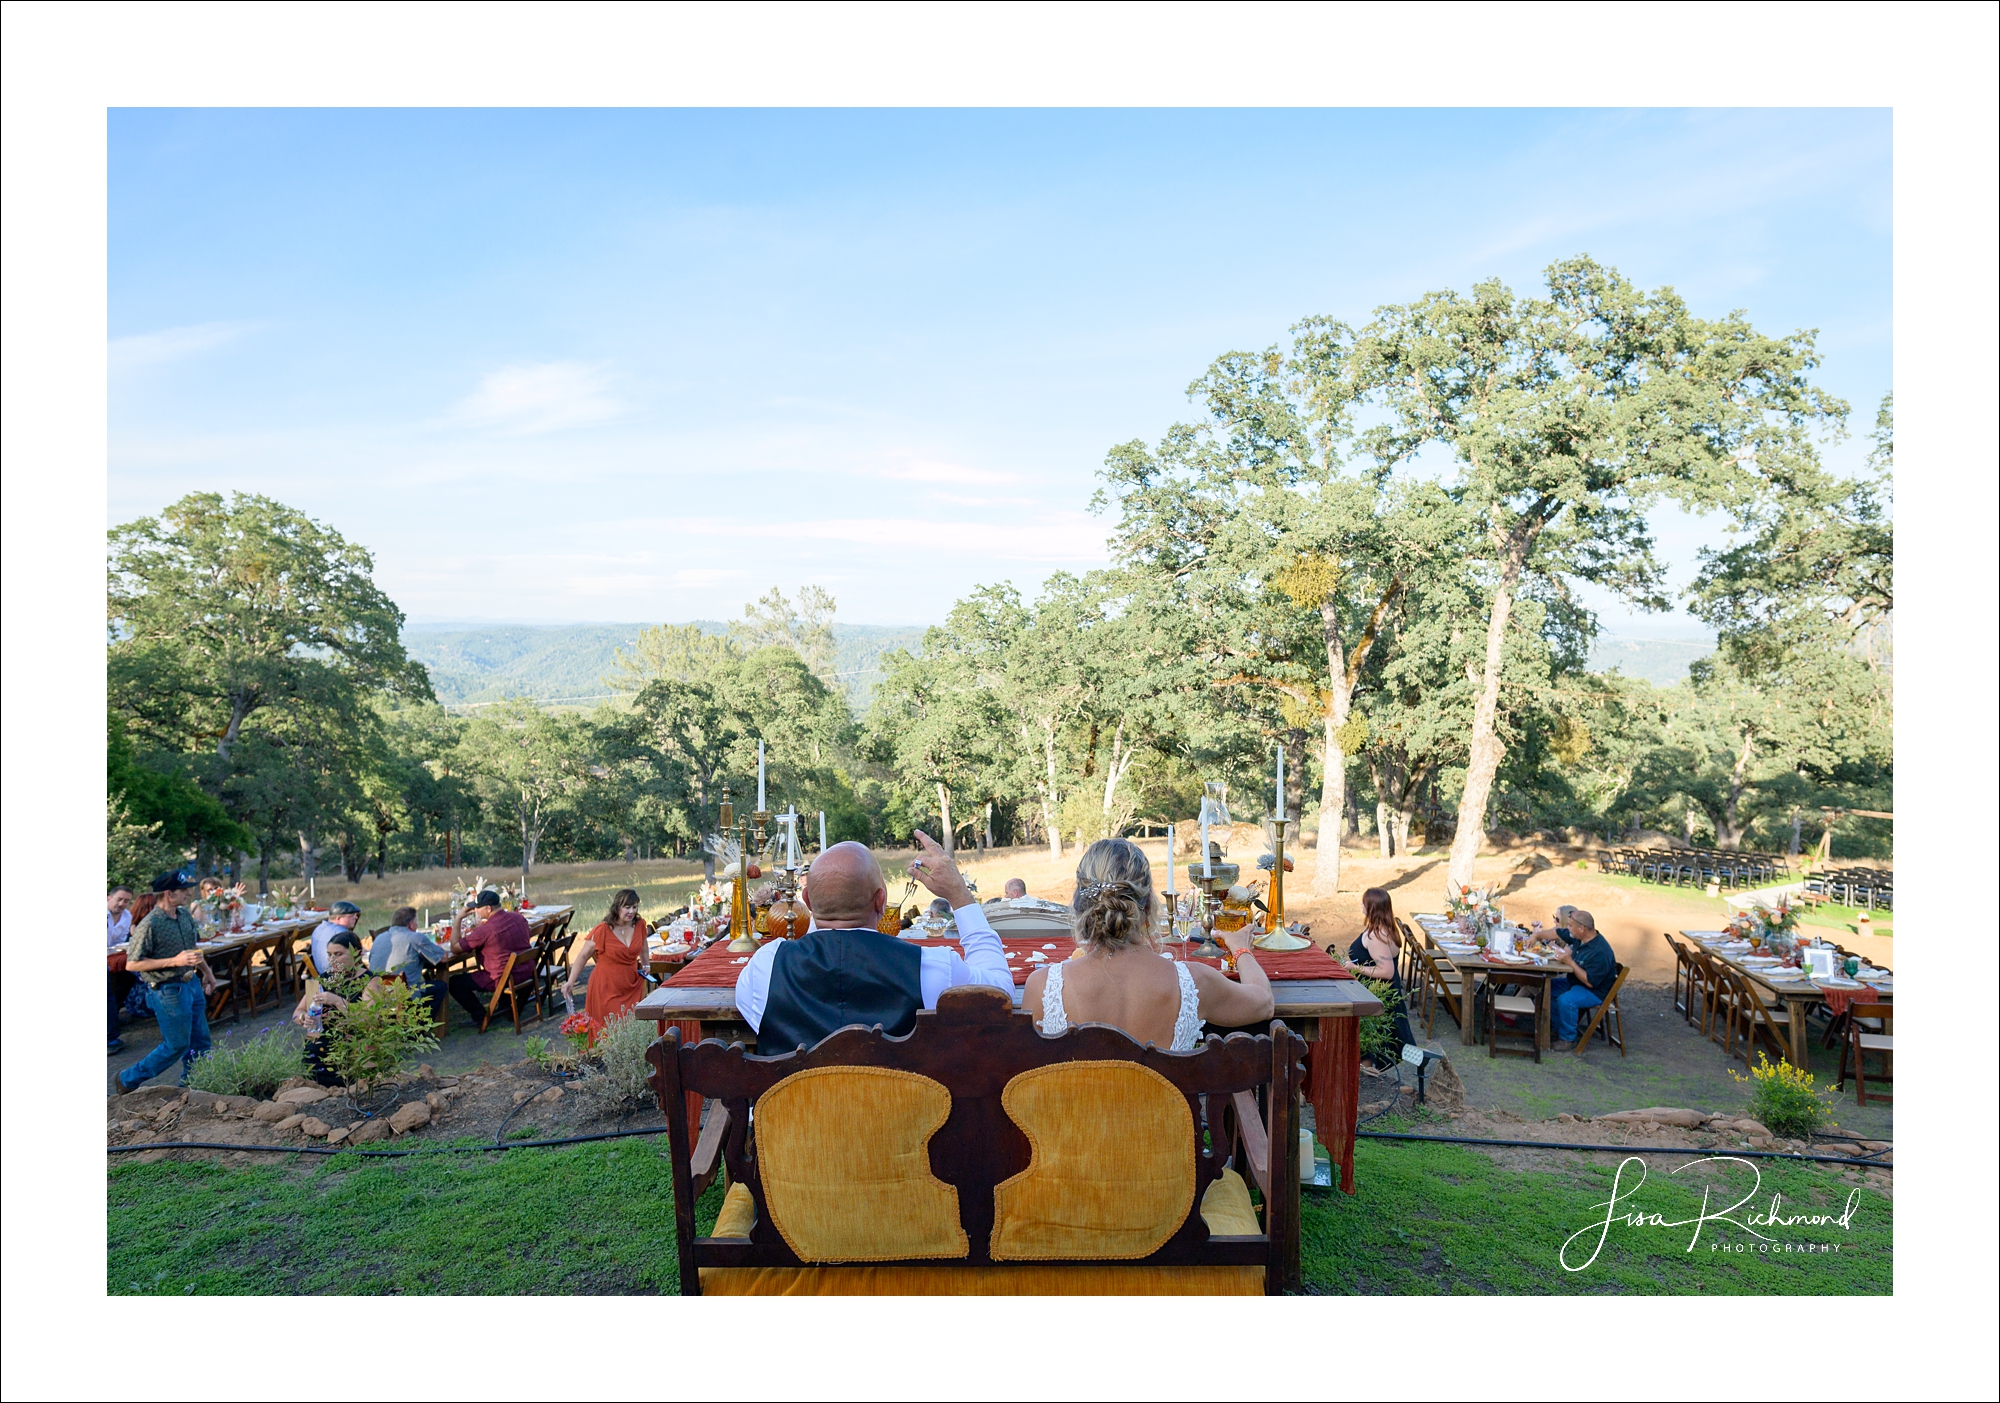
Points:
716	968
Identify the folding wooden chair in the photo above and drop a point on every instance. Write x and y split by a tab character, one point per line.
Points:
508	988
1519	1006
1756	1021
1870	1028
552	960
1608	1016
1684	976
261	978
1440	984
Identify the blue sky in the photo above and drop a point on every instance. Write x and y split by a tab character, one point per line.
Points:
630	365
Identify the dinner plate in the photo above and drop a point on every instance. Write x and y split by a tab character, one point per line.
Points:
1281	941
1838	983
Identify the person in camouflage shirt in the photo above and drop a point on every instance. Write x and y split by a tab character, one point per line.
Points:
178	981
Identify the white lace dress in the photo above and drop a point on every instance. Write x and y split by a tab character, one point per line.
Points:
1187	1023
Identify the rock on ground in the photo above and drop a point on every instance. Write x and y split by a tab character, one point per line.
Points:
409	1117
315	1127
301	1095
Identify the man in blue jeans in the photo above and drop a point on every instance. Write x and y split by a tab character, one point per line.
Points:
178	980
1592	968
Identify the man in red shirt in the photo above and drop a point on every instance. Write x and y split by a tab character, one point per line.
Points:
498	935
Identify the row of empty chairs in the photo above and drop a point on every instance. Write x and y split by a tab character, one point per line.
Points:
1863	887
1697	867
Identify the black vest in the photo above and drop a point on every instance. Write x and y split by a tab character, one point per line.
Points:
828	979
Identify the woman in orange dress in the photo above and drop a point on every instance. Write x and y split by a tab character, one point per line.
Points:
619	943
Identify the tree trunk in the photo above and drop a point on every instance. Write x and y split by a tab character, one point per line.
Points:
1332	800
1729	837
264	867
1049	792
1792	847
239	707
308	857
1486	747
1383	838
944	818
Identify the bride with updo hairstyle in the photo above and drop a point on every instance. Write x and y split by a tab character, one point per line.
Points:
1117	976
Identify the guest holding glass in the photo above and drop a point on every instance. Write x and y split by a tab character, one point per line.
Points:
498	935
178	980
1117	976
618	943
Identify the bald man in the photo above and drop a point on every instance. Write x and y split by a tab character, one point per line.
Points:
844	971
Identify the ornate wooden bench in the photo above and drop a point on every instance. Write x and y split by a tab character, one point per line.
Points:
977	1157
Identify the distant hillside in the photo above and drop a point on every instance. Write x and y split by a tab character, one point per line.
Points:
569	662
1661	661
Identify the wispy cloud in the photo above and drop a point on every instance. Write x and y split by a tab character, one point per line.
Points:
540	399
930	470
175	343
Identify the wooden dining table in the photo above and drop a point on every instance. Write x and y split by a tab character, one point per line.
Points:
1797	991
1534	970
1326	1012
230	953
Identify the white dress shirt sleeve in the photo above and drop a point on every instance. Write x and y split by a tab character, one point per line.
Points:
753	986
984	961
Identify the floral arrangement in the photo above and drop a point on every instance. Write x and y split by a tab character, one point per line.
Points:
580	1031
1471	907
1776	918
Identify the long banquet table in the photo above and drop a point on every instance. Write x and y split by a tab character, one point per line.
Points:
1797	991
1325	1011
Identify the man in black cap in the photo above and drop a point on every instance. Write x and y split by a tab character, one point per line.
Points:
343	916
498	935
178	981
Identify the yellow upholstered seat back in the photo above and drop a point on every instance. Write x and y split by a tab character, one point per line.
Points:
1112	1173
843	1155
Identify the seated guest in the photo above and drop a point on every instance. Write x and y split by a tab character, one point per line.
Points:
344	979
342	915
404	950
618	942
1117	976
845	971
941	907
1592	967
498	935
1377	952
117	930
1015	889
178	980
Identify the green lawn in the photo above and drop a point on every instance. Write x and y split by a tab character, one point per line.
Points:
597	1219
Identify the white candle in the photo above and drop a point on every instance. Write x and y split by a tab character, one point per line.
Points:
1170	859
1206	870
792	839
760	777
1281	784
822	830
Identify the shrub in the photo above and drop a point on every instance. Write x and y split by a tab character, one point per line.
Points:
373	1036
254	1067
1378	1033
1784	1099
536	1050
621	1080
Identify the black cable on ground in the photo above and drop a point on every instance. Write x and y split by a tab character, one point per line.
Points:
1716	1151
379	1154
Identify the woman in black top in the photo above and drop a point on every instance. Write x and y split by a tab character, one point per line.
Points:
1377	953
